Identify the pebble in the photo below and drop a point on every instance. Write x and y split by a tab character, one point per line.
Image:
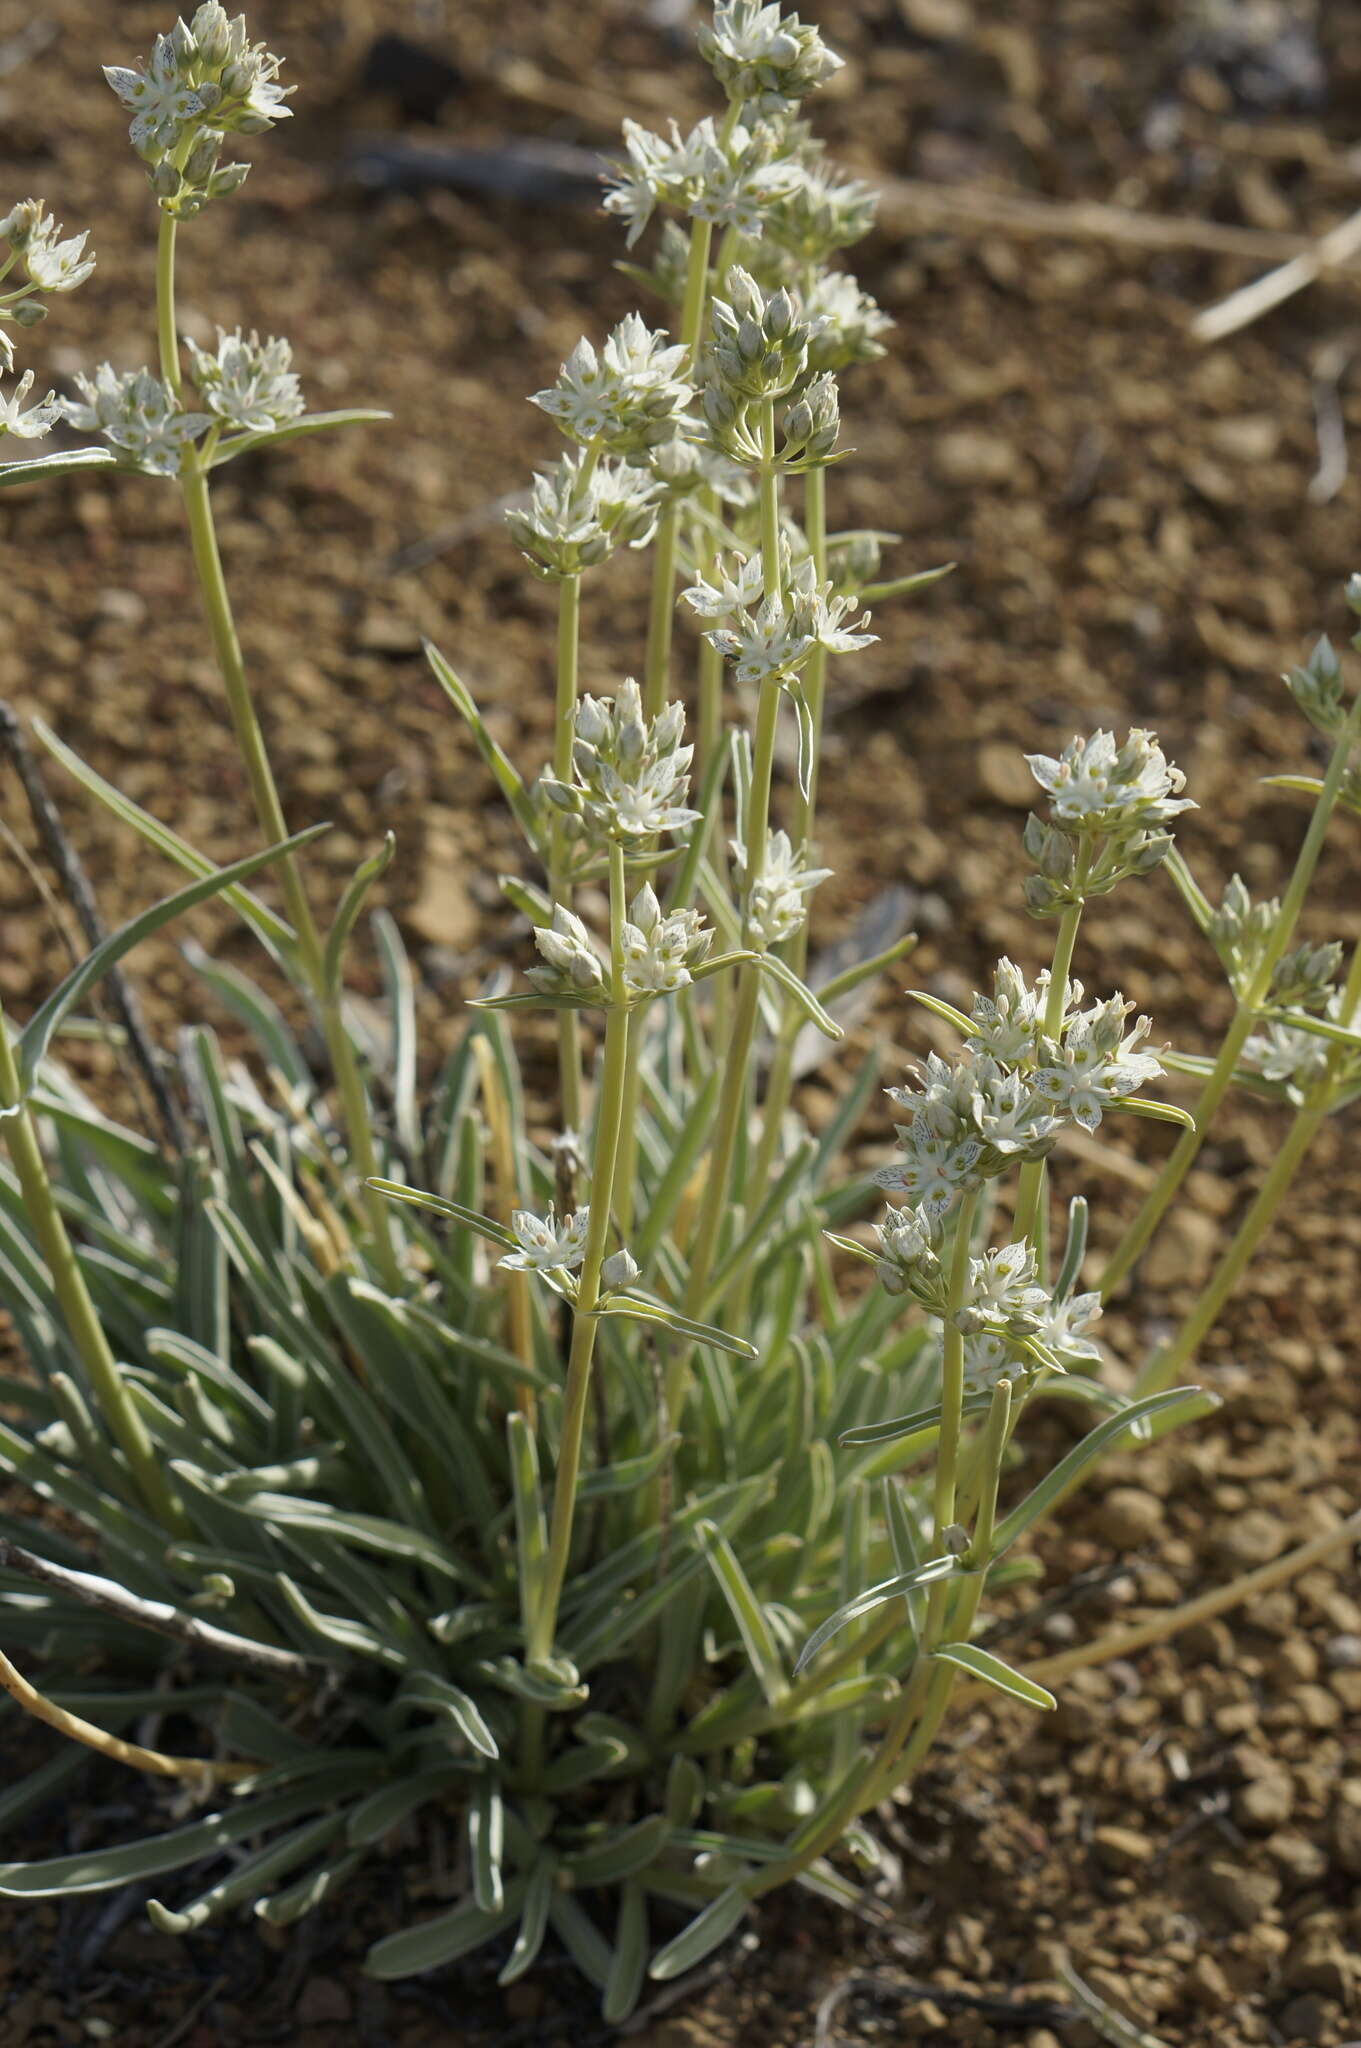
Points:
1003	775
1266	1802
968	457
1343	1653
1311	2019
1244	1895
322	2002
1252	1538
1182	1257
1122	1848
1346	1826
1128	1517
1300	1858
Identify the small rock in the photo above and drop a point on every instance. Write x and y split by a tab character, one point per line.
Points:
1003	775
1206	1982
1343	1653
1122	1848
1266	1802
322	2001
1252	1538
1346	1829
1253	437
1319	1708
968	457
389	633
1128	1517
1310	2018
1243	1895
1301	1859
1318	1962
1183	1257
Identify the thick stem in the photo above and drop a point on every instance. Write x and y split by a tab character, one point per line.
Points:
1183	1154
559	888
585	1320
73	1298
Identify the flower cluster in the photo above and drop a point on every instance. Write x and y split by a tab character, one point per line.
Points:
547	1246
777	903
660	952
730	185
822	211
203	81
629	777
1037	1328
762	58
1005	1097
578	515
1240	931
759	343
137	414
774	634
1305	977
1108	810
1291	1058
48	263
628	399
573	969
247	385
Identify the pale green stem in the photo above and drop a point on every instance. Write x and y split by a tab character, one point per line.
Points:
1030	1186
1183	1154
1162	1368
946	1477
737	1052
585	1318
73	1298
269	811
626	1166
780	1083
559	888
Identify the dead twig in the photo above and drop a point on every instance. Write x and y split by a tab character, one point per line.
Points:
93	1591
1333	251
198	1770
74	880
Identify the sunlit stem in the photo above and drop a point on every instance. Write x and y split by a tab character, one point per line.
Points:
586	1319
74	1300
250	743
1162	1368
1030	1187
946	1478
1183	1154
559	887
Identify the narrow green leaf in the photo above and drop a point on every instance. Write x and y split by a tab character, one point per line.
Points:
706	1932
983	1664
101	1870
1158	1112
630	1956
439	1696
533	1918
746	1611
582	1939
1098	1440
620	1855
647	1309
443	1940
852	978
940	1008
351	903
504	773
309	423
531	1523
38	467
273	931
487	1843
37	1034
250	1878
904	586
864	1603
555	1686
287	1907
379	1812
471	1219
852	1247
1192	895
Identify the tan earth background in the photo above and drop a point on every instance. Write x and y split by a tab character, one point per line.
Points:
1146	533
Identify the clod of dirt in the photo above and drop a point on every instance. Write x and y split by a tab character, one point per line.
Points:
1242	1895
1128	1517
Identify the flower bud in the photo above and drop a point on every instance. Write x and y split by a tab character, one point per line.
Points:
28	313
229	179
620	1270
165	180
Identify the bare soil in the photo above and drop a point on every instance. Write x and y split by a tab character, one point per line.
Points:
1137	544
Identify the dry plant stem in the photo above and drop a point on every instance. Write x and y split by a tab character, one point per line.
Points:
1183	1154
251	745
202	1770
569	644
736	1076
585	1319
1030	1187
73	1297
74	880
1163	1367
1123	1642
108	1598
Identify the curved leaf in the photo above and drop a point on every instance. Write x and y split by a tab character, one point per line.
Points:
37	467
896	1588
983	1664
